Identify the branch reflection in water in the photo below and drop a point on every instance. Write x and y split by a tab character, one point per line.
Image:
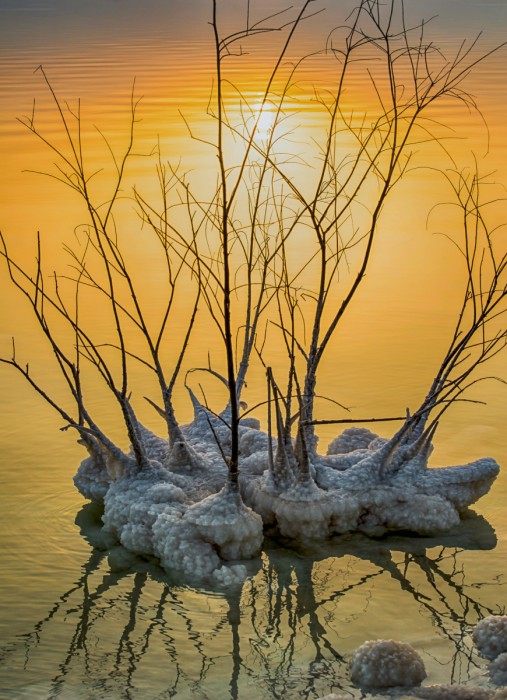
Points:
124	630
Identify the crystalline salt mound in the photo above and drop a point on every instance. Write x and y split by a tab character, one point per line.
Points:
230	575
350	440
310	513
387	509
498	669
224	520
137	533
180	548
385	663
490	636
92	480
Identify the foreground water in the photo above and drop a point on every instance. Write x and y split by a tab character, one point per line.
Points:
77	622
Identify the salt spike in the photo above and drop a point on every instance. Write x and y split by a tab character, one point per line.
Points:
201	414
183	455
173	428
139	448
157	408
225	415
103	442
271	464
419	422
93	448
405	454
427	446
304	479
282	472
117	462
381	458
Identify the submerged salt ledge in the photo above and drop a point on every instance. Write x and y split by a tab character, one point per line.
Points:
456	692
181	508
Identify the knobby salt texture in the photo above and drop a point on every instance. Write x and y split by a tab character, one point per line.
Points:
179	506
490	636
385	663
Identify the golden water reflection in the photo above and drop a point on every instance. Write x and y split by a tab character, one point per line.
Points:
123	630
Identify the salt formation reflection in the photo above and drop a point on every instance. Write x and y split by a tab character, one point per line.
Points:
125	630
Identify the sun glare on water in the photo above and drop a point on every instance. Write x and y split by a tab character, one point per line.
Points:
264	120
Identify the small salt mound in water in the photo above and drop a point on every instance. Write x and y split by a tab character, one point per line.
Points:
498	670
490	636
385	663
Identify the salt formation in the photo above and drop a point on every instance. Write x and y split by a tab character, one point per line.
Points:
386	664
498	669
490	636
352	439
218	527
368	484
176	502
92	479
225	521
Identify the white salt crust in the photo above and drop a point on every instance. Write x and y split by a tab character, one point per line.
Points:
176	506
92	480
225	521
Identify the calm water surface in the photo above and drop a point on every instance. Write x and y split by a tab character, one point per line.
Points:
77	622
